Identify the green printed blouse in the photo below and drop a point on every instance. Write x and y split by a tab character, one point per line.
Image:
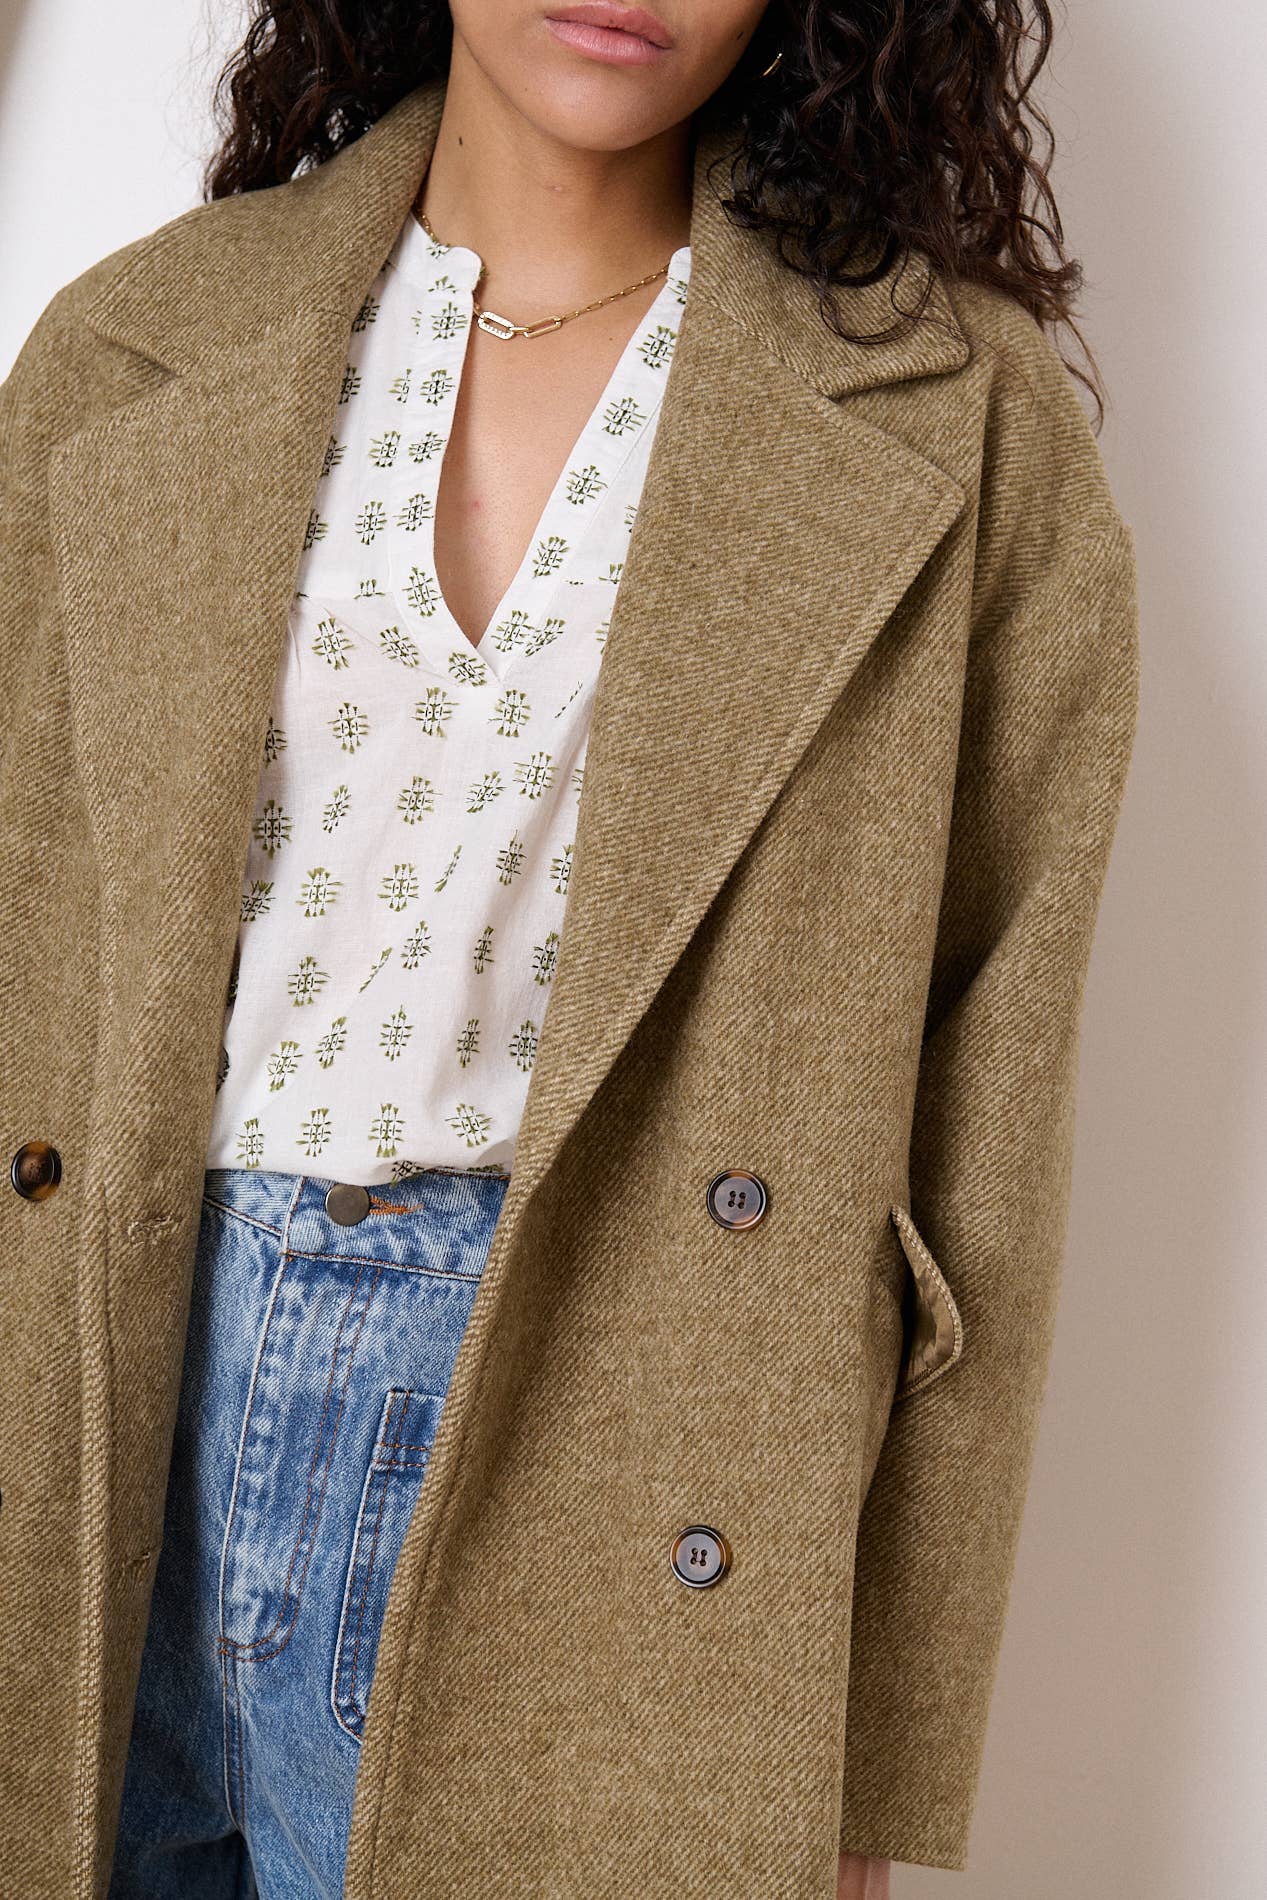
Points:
404	890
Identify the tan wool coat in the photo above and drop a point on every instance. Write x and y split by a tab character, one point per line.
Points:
858	751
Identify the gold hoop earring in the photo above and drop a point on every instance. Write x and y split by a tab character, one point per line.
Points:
773	63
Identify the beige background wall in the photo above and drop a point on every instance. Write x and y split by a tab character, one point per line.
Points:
1127	1757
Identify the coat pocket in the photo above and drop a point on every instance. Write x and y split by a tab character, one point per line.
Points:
406	1433
932	1327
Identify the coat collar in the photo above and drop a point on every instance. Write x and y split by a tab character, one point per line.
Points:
776	534
227	274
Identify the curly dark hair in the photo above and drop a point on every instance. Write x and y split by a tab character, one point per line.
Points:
892	131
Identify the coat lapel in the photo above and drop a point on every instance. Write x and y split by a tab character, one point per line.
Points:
179	523
775	536
776	533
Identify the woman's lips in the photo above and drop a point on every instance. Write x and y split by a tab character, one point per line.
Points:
618	36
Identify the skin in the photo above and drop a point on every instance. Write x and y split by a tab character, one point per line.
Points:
570	179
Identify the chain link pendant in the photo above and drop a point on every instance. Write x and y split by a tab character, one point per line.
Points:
496	326
503	327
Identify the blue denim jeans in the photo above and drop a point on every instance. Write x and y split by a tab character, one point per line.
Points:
317	1361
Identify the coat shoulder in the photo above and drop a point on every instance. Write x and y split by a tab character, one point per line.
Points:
202	230
1038	448
70	368
58	328
65	372
54	349
1008	345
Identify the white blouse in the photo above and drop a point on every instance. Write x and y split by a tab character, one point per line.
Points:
408	865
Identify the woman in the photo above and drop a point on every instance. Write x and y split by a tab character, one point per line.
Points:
756	688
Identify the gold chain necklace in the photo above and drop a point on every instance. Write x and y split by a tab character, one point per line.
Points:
503	327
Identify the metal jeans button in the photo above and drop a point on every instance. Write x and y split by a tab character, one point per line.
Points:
347	1203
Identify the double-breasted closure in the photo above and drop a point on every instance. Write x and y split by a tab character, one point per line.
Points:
857	754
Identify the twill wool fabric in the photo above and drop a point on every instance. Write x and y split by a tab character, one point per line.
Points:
862	725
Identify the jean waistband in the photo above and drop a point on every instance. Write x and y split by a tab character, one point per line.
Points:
430	1219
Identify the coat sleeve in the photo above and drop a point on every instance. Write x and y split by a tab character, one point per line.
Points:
1049	713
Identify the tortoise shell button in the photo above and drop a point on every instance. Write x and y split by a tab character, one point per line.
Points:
35	1170
735	1198
699	1555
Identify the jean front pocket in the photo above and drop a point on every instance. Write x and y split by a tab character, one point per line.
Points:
406	1434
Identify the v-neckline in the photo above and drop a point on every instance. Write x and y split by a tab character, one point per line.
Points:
419	596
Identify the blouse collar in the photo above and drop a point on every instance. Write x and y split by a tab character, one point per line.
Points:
417	256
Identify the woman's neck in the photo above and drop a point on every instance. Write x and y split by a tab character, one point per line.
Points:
554	225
